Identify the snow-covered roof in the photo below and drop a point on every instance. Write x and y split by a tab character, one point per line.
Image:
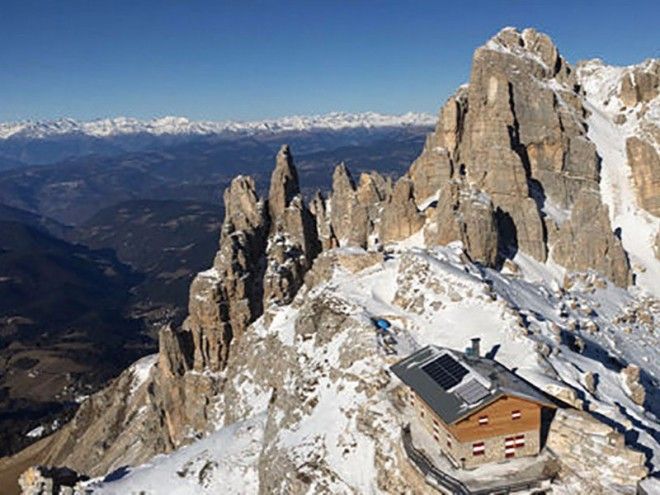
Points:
463	384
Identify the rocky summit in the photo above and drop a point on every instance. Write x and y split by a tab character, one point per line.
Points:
530	219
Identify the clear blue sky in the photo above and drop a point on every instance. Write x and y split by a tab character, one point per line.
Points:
249	60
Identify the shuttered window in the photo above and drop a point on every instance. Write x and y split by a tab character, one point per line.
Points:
513	443
516	414
519	441
483	420
478	448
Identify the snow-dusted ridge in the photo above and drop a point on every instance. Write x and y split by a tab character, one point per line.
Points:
334	417
119	126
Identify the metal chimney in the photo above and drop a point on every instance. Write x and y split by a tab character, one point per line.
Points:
476	346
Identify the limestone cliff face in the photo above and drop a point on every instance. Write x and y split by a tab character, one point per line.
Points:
645	165
400	218
348	216
585	241
638	92
467	215
517	133
640	84
319	207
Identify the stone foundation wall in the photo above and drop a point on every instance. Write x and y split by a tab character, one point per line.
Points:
426	428
495	449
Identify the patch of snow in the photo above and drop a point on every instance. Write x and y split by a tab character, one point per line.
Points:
141	370
224	462
36	432
554	211
423	205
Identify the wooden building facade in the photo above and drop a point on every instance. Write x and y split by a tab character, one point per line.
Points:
469	409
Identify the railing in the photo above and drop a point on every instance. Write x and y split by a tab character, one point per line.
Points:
428	469
450	483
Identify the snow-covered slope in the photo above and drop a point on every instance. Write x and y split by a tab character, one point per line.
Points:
638	227
120	126
316	375
224	462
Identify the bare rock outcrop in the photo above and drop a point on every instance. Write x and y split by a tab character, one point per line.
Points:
641	84
349	218
586	241
284	185
351	260
634	388
318	206
492	149
594	453
467	215
645	165
42	480
400	218
435	165
355	211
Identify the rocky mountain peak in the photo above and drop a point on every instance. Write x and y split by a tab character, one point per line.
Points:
284	184
342	180
518	134
529	44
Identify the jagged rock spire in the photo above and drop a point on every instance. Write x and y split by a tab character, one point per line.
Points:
284	184
349	218
294	240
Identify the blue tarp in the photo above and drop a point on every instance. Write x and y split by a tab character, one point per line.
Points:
382	324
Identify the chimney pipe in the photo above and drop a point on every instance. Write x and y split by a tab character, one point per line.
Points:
476	347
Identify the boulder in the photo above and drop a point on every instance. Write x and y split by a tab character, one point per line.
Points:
632	384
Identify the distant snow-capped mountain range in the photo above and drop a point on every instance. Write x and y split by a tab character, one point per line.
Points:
119	126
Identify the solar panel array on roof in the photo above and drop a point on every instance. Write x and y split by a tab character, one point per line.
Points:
445	371
472	392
